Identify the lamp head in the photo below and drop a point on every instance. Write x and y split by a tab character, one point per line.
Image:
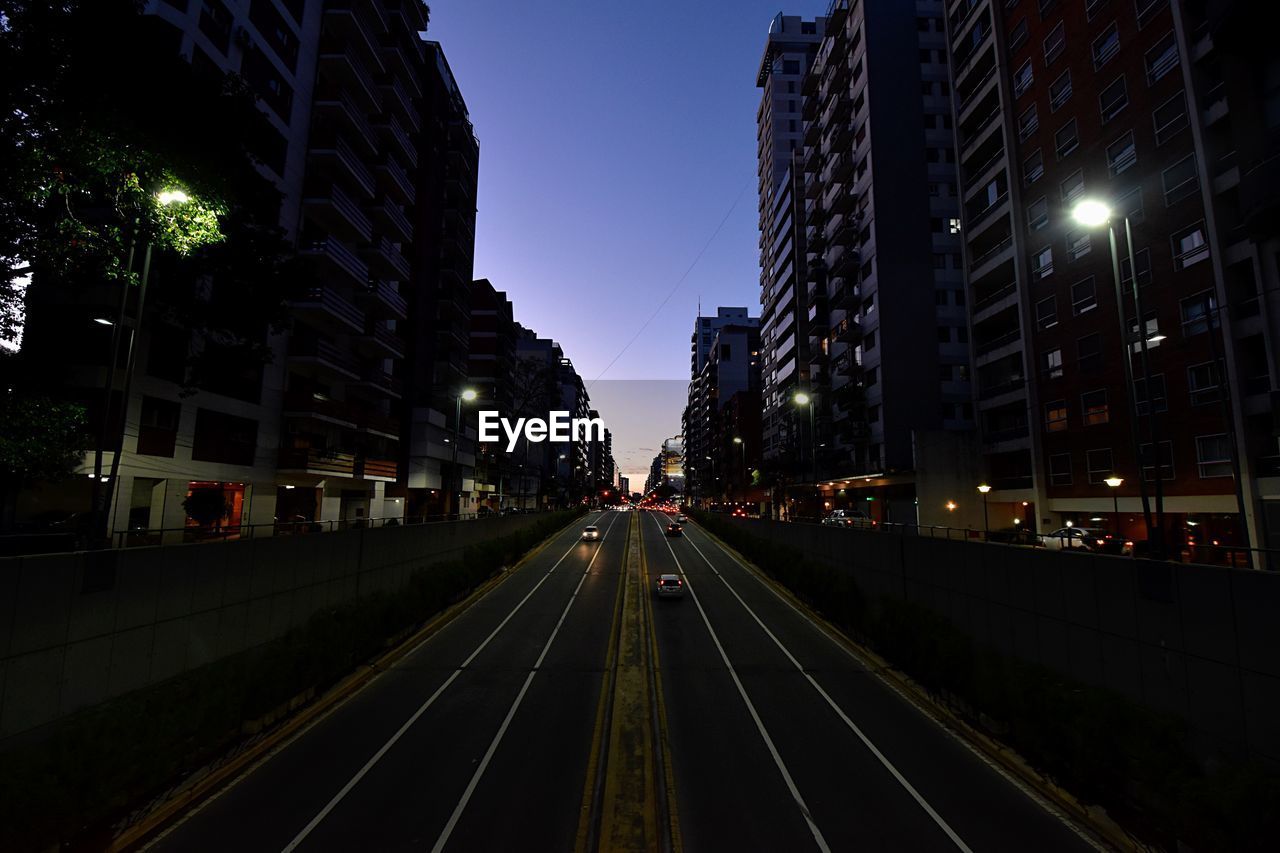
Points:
1113	482
801	398
1091	213
172	196
984	488
469	394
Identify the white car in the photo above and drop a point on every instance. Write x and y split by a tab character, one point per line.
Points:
682	519
1074	539
670	586
590	533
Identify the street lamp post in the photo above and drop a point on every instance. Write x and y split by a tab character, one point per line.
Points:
468	394
986	524
803	398
1114	483
737	439
1092	213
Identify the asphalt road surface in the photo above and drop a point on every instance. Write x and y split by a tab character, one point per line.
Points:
480	739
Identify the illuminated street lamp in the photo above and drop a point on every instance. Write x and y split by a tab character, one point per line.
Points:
986	525
1094	213
742	445
1114	482
468	394
803	398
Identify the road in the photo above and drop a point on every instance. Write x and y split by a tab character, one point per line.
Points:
482	737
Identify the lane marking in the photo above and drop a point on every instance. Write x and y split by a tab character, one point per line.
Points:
661	727
502	730
742	691
866	741
422	709
844	645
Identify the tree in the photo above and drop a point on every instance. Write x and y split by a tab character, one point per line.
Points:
40	439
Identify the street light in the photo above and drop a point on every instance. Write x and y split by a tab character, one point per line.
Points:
803	398
986	525
1094	213
468	394
1114	482
742	445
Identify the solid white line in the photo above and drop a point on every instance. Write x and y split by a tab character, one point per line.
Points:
880	756
502	730
422	709
742	691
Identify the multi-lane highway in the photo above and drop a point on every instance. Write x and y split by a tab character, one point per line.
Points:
494	733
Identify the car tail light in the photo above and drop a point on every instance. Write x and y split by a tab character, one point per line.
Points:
1128	544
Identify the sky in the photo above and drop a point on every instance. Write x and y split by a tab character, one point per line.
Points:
614	138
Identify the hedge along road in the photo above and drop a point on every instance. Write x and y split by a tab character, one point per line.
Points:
781	740
478	739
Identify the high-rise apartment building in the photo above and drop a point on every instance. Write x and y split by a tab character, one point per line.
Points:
784	354
888	344
1163	378
730	364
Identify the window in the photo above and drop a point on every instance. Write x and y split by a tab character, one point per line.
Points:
1198	312
1162	58
1042	264
1055	416
1083	297
1130	205
944	334
1147	453
1060	90
1079	244
1018	35
1170	117
1067	139
1033	167
1213	455
870	378
1022	78
1202	383
1121	154
1143	258
1099	464
1091	8
953	225
1159	399
1089	353
1060	469
1094	405
1051	363
158	429
1181	180
869	342
1106	45
1028	122
1038	214
1189	246
1113	99
1047	312
1073	186
220	437
215	22
1054	44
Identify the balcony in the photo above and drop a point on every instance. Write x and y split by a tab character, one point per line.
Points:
977	266
380	299
347	69
342	110
325	307
392	129
325	355
385	260
993	345
317	461
378	424
391	217
839	167
334	254
339	154
401	101
339	213
376	469
993	299
299	405
380	342
395	180
378	380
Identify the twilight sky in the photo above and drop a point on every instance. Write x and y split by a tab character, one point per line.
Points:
614	138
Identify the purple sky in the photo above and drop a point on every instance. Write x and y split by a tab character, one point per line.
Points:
614	138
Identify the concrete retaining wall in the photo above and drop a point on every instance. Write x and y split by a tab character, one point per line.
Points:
1201	642
77	629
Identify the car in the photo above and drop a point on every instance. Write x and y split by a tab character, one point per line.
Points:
682	519
674	529
670	586
1075	539
590	533
848	518
738	512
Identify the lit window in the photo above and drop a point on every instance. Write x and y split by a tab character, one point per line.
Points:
1094	405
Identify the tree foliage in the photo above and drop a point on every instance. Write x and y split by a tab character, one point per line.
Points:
39	437
101	114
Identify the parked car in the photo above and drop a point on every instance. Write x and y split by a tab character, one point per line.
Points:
670	586
590	533
674	529
849	518
1075	539
1016	535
